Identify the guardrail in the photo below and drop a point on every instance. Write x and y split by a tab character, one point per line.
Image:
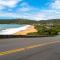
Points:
22	36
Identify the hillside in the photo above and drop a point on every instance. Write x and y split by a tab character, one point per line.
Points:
26	21
50	21
17	21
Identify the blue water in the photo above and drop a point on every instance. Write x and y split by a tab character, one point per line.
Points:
5	26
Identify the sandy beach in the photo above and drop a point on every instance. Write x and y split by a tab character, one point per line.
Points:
18	31
29	29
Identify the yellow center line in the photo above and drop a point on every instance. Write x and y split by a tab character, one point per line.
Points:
26	48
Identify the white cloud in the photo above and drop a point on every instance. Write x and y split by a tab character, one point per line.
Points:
25	7
24	4
1	7
22	12
45	15
42	15
52	13
9	3
56	4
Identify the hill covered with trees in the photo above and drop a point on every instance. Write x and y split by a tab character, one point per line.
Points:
26	21
16	21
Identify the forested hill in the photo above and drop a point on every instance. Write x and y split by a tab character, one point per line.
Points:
50	21
26	21
17	21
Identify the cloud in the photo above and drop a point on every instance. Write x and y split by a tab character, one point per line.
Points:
56	4
21	12
24	4
25	7
42	15
52	13
45	15
9	3
25	10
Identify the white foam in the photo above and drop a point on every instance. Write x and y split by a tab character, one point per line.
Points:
11	31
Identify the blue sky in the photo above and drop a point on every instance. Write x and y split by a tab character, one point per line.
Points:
30	9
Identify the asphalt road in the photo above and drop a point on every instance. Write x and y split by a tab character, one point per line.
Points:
42	48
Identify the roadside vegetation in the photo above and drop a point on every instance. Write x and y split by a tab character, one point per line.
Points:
45	30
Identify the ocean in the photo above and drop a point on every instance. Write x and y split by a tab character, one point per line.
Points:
6	26
9	29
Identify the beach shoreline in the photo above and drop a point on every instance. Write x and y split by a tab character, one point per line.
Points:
19	31
29	29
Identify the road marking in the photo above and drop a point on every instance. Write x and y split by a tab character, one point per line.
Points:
26	48
12	51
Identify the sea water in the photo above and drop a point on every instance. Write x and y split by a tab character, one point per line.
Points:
6	26
9	29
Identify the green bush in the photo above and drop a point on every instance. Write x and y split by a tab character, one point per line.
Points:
42	30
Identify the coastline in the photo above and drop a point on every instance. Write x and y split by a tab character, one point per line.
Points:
19	31
29	29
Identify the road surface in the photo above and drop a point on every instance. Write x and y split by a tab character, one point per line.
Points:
42	48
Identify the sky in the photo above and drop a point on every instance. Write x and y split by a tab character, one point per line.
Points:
30	9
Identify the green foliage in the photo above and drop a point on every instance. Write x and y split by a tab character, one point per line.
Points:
43	30
33	34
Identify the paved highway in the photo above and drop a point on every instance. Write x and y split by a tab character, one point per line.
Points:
42	48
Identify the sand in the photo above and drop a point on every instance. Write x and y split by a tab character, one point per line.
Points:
11	31
19	31
30	29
